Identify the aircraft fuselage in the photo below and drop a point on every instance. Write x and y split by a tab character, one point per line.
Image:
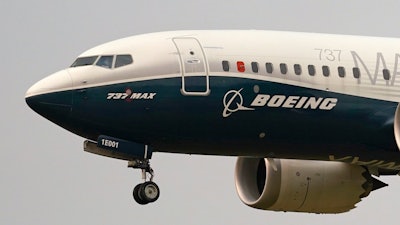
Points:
239	93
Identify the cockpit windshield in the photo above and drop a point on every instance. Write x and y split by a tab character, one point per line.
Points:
123	60
105	61
84	61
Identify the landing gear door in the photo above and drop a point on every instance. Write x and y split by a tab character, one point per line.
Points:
194	68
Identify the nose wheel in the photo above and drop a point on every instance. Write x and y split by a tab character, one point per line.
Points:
148	191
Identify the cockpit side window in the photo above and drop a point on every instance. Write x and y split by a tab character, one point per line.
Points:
84	61
105	61
123	60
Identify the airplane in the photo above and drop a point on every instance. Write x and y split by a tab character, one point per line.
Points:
313	118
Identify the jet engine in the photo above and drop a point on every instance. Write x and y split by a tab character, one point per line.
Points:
302	186
397	126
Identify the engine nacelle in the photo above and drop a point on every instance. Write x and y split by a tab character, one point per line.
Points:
396	127
300	185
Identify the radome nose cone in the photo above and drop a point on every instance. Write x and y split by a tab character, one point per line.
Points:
51	97
55	101
56	82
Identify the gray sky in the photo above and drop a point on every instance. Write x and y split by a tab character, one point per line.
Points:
46	178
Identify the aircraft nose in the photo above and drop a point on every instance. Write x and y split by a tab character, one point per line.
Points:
51	97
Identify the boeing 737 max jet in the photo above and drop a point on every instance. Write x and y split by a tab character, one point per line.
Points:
312	118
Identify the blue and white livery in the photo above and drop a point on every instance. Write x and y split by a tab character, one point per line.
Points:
312	118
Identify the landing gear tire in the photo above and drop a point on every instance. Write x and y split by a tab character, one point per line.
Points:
149	191
136	196
146	192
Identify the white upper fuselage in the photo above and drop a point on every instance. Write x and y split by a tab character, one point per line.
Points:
155	56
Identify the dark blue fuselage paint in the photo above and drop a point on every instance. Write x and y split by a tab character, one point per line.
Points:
159	115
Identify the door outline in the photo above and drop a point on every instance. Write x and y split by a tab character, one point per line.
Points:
184	59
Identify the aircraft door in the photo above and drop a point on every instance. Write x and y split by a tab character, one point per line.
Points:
194	67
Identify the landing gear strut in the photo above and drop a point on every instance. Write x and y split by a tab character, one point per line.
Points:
147	191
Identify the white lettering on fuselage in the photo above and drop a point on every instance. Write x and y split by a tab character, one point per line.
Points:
296	102
129	95
233	102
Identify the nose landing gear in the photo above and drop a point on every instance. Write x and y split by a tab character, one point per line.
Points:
148	191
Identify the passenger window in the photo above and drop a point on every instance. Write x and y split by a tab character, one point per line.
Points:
123	60
325	71
105	61
341	71
269	67
84	61
311	70
297	69
386	74
356	72
225	65
283	68
254	67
